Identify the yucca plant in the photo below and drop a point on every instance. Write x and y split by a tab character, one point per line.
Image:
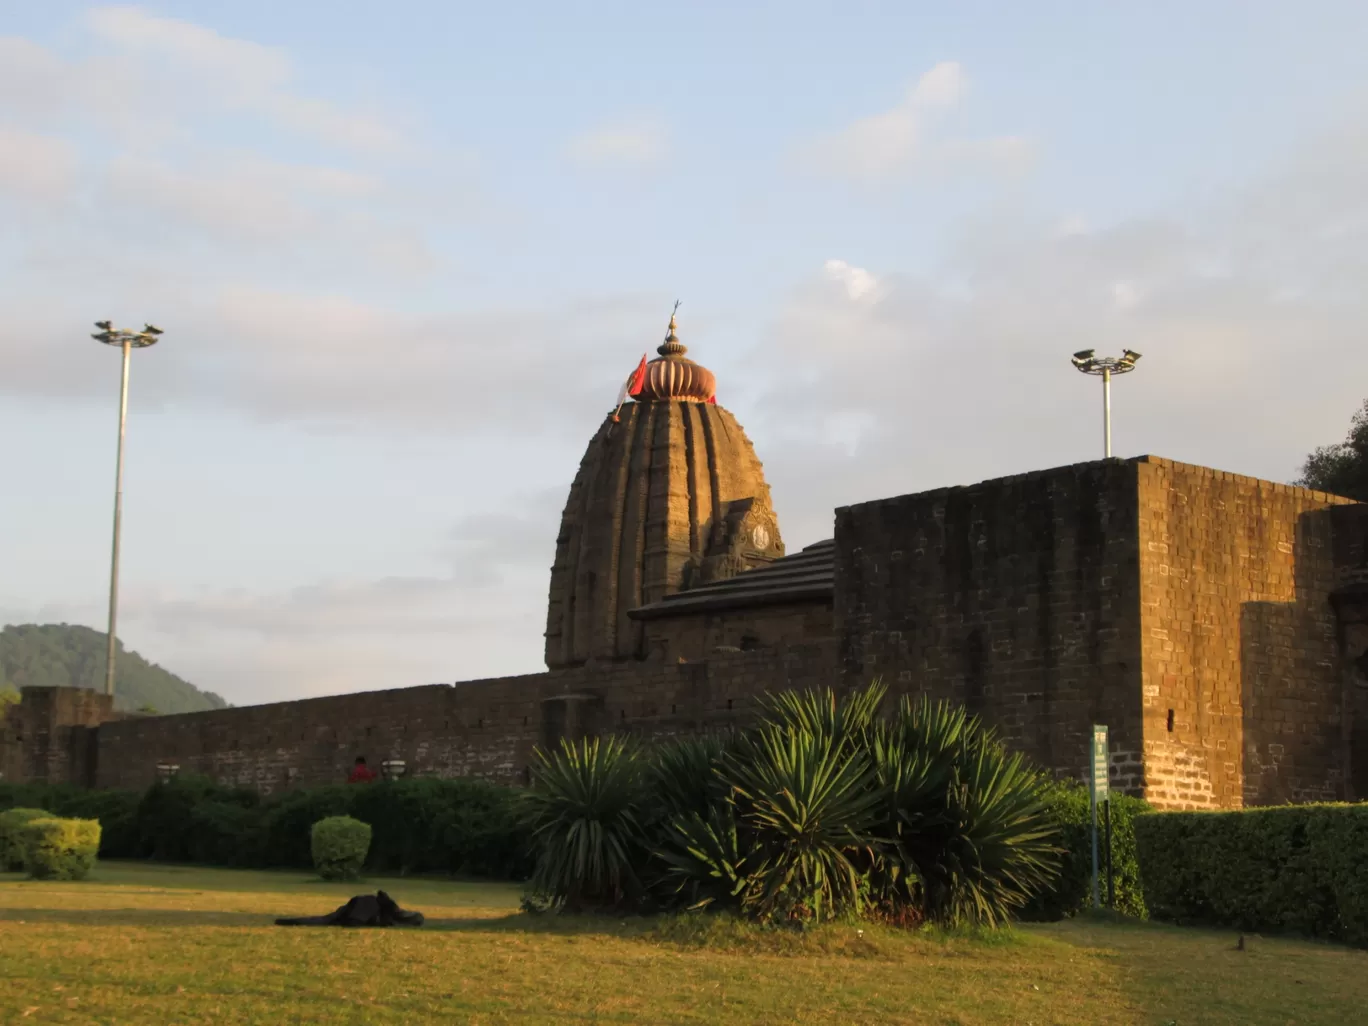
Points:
805	803
1001	845
822	809
845	721
683	776
584	811
968	836
702	862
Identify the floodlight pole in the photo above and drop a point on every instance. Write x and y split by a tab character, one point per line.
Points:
1105	367
1107	409
118	522
127	341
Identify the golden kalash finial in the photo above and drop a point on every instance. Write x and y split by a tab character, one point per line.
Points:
672	346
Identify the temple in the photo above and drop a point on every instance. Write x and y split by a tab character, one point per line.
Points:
1216	624
669	496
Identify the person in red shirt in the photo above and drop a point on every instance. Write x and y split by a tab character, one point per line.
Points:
361	773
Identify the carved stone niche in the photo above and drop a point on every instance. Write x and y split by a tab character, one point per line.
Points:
744	537
572	716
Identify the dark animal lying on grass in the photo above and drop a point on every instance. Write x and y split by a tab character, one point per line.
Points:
378	909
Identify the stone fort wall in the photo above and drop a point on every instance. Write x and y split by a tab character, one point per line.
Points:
485	728
1193	612
1018	597
1244	699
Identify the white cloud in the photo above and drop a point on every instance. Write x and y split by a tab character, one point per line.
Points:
961	373
335	362
633	144
35	167
895	141
479	613
125	189
239	74
858	283
1125	294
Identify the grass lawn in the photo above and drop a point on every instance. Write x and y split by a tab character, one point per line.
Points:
156	944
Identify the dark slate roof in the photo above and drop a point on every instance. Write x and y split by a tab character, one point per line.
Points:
806	575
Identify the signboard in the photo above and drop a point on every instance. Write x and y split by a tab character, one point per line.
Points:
1099	764
1099	795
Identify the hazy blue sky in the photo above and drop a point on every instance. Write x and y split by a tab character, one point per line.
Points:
404	254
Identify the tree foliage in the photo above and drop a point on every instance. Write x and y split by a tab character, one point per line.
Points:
68	655
1341	469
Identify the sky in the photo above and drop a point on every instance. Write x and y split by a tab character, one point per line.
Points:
404	254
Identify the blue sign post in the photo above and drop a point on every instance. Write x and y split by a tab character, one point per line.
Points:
1099	795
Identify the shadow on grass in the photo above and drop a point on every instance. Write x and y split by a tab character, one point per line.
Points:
132	917
516	922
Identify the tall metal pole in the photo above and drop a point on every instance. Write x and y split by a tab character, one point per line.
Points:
118	518
1106	409
127	341
1092	808
1105	367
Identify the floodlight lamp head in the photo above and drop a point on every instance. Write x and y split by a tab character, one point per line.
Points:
1130	355
151	329
1083	355
104	325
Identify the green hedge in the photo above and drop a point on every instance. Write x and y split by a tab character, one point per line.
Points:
339	845
60	849
1070	804
193	819
421	825
1295	869
116	810
12	822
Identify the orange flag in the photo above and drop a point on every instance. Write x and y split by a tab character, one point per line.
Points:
632	386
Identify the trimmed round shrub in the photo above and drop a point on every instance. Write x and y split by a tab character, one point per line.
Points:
287	827
339	845
11	839
60	849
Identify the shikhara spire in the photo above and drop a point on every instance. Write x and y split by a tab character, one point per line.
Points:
669	494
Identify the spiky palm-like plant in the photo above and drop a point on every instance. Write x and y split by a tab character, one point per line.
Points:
701	861
968	836
845	720
1001	847
683	776
806	804
584	809
821	809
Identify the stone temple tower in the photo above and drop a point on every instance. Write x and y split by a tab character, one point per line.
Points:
669	496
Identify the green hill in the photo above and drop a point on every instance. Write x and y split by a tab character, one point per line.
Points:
65	655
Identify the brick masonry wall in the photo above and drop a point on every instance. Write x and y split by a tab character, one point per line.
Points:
700	635
1110	592
1350	531
1243	693
1017	597
485	728
50	735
